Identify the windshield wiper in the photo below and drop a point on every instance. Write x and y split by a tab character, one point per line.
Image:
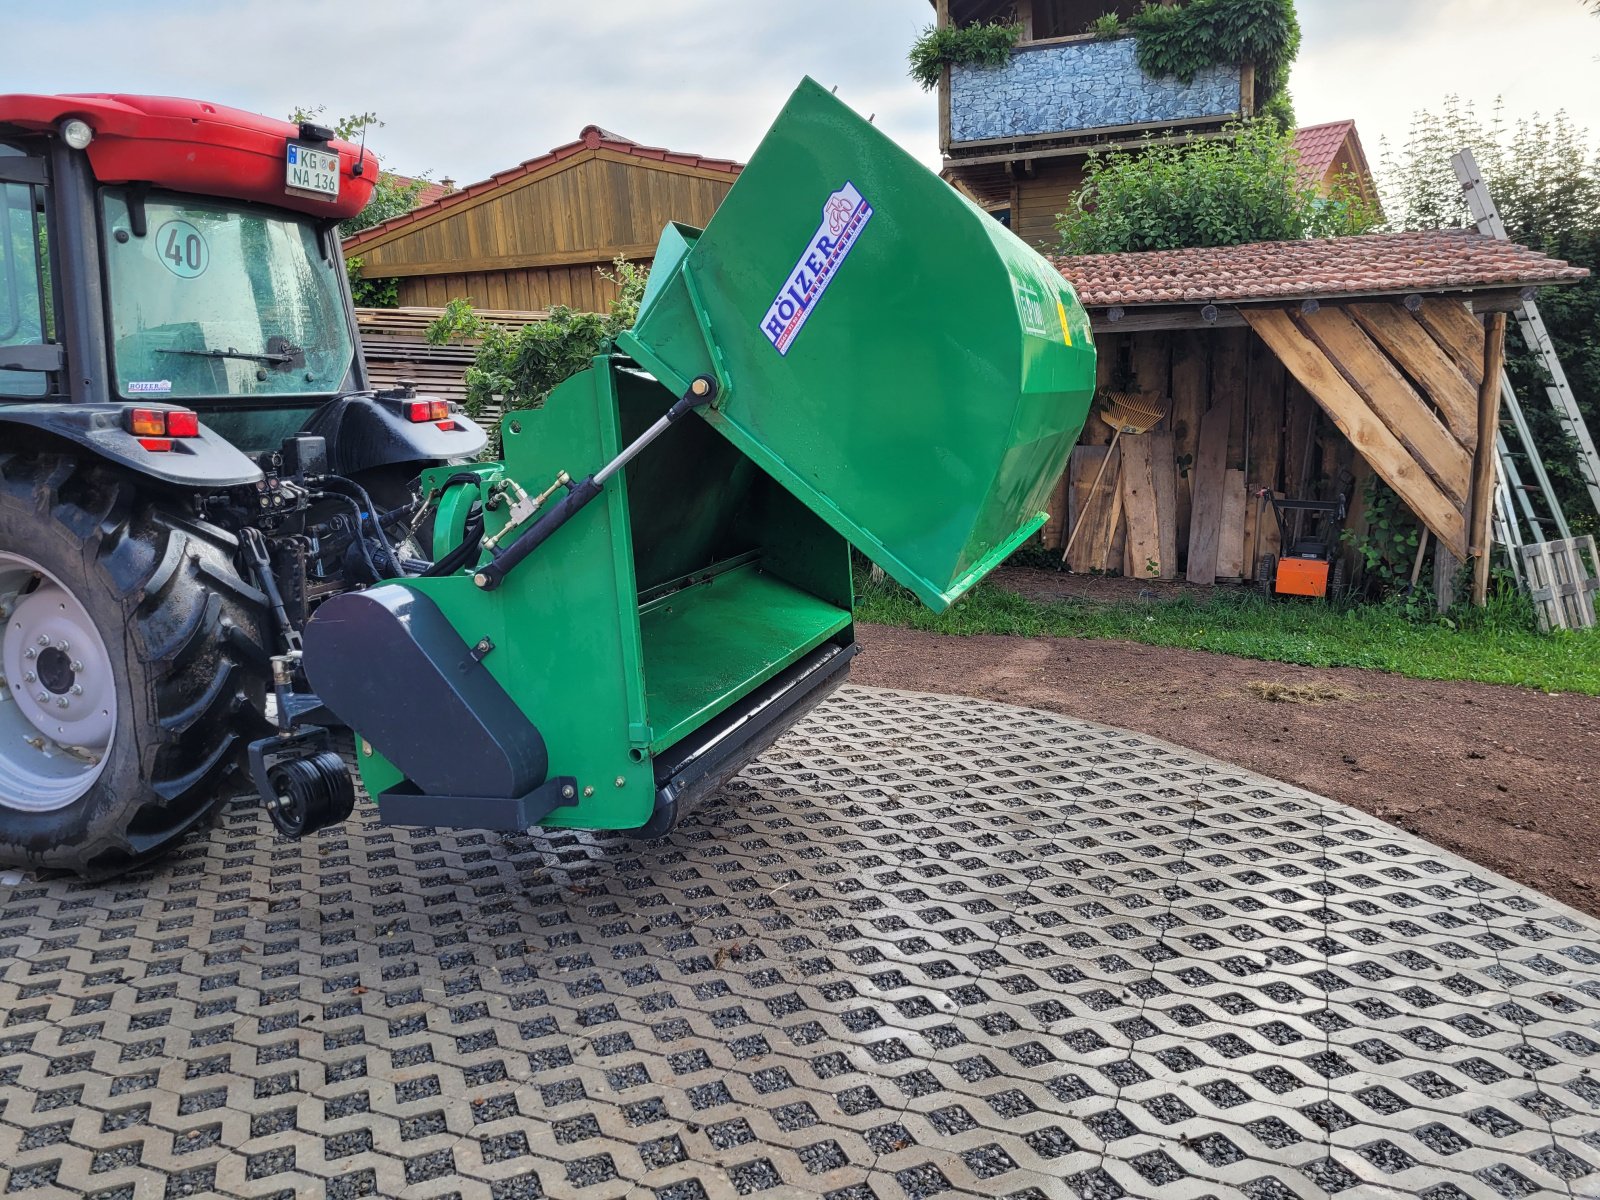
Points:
230	352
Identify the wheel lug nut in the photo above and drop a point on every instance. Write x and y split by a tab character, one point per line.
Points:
31	653
77	689
30	677
77	667
44	697
43	640
63	702
63	646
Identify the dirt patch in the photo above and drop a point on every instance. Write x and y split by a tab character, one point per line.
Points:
1297	693
1507	777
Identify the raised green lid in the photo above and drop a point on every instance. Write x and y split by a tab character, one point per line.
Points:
890	353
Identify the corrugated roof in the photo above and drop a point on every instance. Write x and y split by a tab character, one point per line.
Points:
591	138
1441	260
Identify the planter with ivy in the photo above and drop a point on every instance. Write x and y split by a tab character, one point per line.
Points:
983	45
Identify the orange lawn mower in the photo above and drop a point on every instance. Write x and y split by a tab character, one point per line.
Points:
1309	530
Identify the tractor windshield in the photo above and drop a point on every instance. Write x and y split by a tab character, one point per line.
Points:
216	300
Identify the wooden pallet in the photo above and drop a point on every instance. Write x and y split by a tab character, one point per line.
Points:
1562	583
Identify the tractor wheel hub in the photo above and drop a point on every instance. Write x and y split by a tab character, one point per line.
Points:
58	708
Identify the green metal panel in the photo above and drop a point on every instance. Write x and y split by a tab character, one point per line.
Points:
892	355
716	642
566	627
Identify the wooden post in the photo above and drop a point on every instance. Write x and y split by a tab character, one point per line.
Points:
1025	19
1480	544
941	18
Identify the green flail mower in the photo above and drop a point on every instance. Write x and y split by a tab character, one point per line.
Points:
656	580
221	547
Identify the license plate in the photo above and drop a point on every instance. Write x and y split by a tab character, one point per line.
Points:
314	171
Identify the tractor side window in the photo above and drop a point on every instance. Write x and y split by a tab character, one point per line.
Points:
212	300
24	283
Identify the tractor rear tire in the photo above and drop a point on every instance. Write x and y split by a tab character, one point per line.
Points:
152	597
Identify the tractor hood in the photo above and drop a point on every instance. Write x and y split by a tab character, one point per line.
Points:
891	354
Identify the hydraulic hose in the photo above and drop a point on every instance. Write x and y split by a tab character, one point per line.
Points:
377	520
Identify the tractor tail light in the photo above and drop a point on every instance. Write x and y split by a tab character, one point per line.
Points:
420	411
156	445
147	422
162	423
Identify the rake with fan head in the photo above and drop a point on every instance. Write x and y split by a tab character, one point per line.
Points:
1125	412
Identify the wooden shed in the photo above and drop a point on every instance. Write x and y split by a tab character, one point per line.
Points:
534	236
1290	367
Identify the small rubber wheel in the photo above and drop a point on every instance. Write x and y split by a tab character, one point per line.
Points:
1267	574
1338	578
310	793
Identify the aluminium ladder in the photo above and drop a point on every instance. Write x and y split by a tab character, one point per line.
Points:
1530	324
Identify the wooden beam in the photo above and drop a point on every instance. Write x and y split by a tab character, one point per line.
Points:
1367	433
1388	394
1405	340
1458	333
1135	320
1494	351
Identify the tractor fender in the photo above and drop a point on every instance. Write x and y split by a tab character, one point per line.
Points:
364	432
205	462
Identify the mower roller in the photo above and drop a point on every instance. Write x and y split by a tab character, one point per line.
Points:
656	580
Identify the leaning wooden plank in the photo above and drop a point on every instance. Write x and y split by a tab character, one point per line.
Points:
1164	474
1230	544
1369	435
1395	401
1264	450
1459	333
1405	340
1140	509
1091	507
1191	373
1205	514
1110	550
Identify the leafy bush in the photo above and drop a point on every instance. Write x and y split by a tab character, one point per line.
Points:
1184	39
1242	188
525	364
1107	26
1544	175
982	45
371	293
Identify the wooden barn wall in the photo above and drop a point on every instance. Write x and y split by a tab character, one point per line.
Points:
1039	197
524	236
1276	437
578	286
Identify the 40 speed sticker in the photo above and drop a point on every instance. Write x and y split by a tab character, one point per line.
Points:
844	216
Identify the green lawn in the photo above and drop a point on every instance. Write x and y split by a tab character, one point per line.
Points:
1497	645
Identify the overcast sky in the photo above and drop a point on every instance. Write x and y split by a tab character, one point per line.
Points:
470	88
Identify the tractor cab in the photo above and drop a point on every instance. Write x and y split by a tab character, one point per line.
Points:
191	459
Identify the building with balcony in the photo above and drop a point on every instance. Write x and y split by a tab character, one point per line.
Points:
1016	136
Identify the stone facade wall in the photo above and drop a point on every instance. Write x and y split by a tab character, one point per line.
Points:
1079	85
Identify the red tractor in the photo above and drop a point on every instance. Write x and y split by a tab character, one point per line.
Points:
191	459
